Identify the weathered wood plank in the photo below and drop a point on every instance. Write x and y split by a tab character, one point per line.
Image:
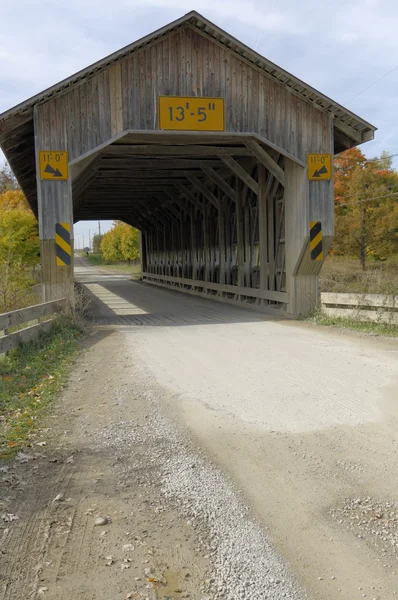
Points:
191	197
115	89
360	300
13	340
266	160
238	170
219	181
203	189
16	318
230	289
262	224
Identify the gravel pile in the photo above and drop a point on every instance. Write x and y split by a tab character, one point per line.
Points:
245	566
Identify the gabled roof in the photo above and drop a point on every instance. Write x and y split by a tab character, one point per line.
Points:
346	121
17	128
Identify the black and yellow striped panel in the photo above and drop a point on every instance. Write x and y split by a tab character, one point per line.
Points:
316	240
63	245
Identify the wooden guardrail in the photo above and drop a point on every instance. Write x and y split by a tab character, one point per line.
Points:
197	284
14	319
366	307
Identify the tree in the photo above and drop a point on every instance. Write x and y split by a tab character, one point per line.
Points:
366	193
97	239
345	164
7	179
19	237
19	252
111	244
120	243
14	199
129	242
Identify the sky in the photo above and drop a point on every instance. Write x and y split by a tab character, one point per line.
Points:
339	49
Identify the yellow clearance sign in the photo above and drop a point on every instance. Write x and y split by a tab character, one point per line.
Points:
53	165
191	113
319	166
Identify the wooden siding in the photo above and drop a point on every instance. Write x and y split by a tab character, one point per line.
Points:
125	96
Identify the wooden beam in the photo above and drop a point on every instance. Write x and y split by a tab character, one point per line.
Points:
240	172
148	173
203	190
240	234
229	289
167	204
191	197
266	160
175	199
152	162
219	181
221	238
262	227
184	150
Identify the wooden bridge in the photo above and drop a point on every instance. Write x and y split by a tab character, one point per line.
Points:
219	157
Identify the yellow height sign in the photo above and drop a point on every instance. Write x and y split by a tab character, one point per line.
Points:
191	113
319	166
53	165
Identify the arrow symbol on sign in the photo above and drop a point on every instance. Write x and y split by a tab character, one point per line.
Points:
54	172
320	172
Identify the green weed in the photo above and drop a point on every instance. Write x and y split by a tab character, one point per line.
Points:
30	378
374	328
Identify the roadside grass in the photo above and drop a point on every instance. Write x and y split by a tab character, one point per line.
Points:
121	267
30	378
370	327
343	274
96	259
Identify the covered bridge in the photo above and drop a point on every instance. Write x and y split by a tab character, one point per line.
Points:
219	157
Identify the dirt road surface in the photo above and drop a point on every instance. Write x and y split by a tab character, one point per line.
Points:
232	456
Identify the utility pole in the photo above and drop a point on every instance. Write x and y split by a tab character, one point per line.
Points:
99	228
89	238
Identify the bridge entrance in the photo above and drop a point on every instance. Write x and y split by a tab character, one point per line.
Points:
220	158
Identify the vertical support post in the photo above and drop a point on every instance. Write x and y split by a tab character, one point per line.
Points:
228	244
262	227
240	234
206	240
221	236
271	239
194	244
247	248
301	274
54	206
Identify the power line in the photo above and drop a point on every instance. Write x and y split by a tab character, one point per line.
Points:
388	187
374	83
381	158
368	160
366	200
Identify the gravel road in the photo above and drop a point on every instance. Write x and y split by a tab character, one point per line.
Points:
251	458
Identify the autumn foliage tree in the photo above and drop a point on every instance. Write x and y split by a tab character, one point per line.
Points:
19	245
366	195
120	243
